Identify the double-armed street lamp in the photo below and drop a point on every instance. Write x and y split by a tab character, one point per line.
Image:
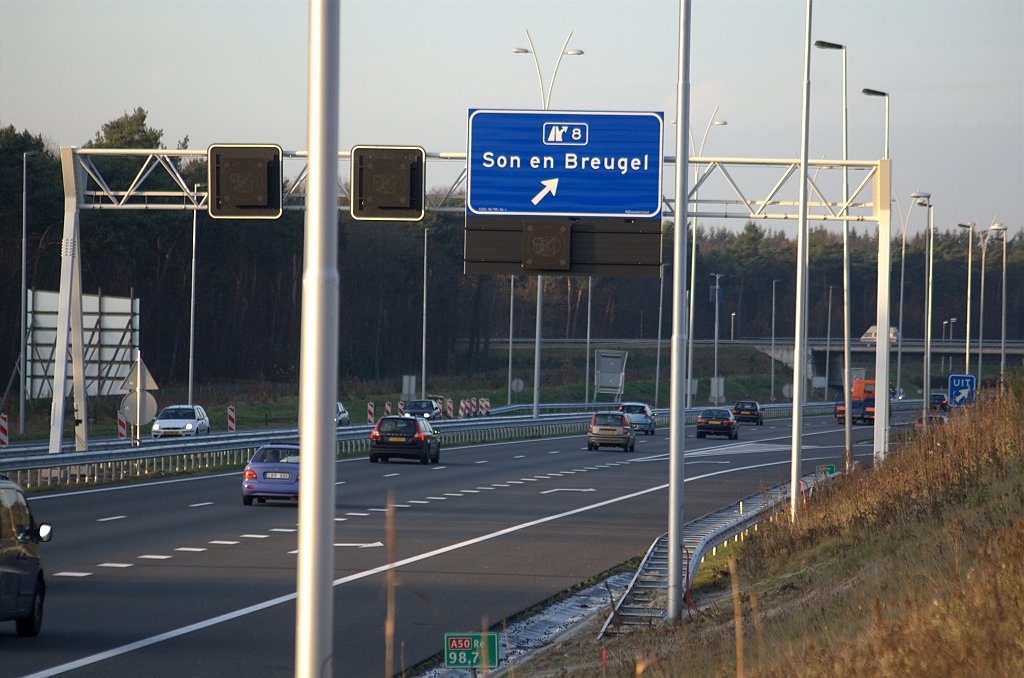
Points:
23	364
967	320
545	100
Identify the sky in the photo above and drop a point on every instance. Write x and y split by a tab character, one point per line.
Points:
230	71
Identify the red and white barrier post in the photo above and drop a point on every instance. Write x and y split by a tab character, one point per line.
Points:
462	409
369	414
5	437
472	407
451	409
485	406
231	419
401	408
122	426
387	409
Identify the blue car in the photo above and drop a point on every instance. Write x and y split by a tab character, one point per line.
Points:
273	473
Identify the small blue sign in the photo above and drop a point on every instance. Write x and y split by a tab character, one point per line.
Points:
961	389
711	293
564	164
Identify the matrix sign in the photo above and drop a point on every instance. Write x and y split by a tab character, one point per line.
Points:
469	650
564	164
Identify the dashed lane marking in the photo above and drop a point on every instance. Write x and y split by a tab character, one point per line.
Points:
438	498
417	501
73	574
391	475
105	520
357	514
119	565
254	536
202	503
221	542
282	529
519	456
482	461
438	468
150	556
190	549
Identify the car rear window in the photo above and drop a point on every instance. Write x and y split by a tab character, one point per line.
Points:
403	425
177	413
422	404
276	455
715	414
633	409
746	406
608	419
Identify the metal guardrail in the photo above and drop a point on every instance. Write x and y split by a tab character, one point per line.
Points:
700	537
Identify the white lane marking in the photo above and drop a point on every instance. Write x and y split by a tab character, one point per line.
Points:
580	470
542	477
483	461
363	546
222	542
340	520
292	553
190	549
690	463
529	480
121	565
519	456
282	529
485	488
417	501
202	503
585	448
470	491
104	520
514	482
438	468
568	489
592	468
357	514
452	494
254	536
273	602
571	473
340	482
438	498
378	510
391	475
554	452
554	475
500	485
154	557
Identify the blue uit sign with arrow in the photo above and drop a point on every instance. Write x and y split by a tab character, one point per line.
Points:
564	164
961	389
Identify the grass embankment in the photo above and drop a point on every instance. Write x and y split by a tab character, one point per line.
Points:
258	404
914	568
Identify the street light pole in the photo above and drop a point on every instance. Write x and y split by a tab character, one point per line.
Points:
23	365
732	328
586	377
192	307
828	338
545	101
929	268
657	362
994	228
511	316
1002	340
423	365
693	255
773	339
717	276
903	268
885	95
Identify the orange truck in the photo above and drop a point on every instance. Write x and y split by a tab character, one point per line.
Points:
862	403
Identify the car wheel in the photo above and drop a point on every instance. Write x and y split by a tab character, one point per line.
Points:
425	459
373	458
736	434
632	446
246	500
29	626
437	457
261	500
700	435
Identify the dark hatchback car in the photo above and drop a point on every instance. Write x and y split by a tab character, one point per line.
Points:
273	473
407	438
938	402
718	423
748	410
428	409
22	587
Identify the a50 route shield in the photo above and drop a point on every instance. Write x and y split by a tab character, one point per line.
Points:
565	163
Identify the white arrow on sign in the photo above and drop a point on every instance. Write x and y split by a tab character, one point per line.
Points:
363	546
964	393
550	186
568	489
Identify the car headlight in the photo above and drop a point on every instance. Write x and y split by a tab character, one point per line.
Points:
188	427
156	427
426	415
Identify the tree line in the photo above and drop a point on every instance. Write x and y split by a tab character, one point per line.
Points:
249	280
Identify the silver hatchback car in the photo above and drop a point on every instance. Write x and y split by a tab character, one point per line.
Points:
611	428
181	420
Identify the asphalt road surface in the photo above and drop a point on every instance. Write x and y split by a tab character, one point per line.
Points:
178	578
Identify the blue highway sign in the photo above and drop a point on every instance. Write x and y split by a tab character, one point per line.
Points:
961	389
565	164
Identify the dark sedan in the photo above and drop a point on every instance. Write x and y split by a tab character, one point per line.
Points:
718	423
428	409
273	473
407	438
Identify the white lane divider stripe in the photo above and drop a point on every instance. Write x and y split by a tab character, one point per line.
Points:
438	468
519	456
485	488
470	491
121	565
340	520
363	546
417	501
500	485
569	489
222	542
202	503
391	475
104	520
554	452
438	498
483	461
283	529
340	482
154	557
254	536
514	482
273	602
191	549
452	494
357	514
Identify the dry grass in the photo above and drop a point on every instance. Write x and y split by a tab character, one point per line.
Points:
913	569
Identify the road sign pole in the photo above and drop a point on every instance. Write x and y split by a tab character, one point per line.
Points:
677	397
511	317
318	370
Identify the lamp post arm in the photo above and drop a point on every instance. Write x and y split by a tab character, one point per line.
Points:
540	80
551	83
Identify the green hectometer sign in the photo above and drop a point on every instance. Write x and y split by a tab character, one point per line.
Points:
825	470
470	650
